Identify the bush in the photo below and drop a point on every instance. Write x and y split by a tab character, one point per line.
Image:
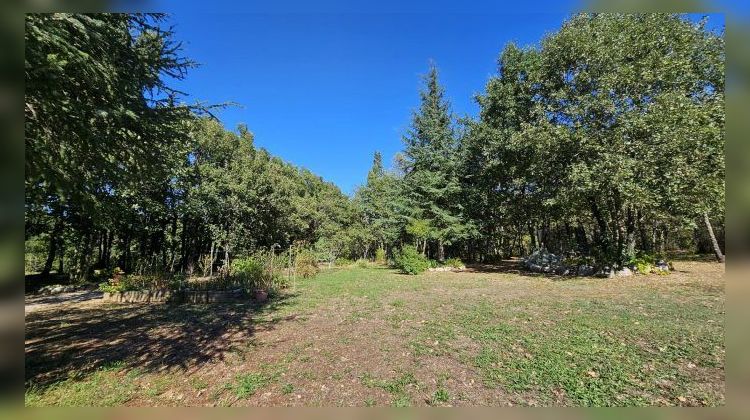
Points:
306	264
124	283
410	261
343	262
380	256
643	262
433	263
251	273
454	262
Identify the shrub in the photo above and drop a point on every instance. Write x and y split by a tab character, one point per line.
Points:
643	267
343	262
454	262
380	256
433	263
204	264
410	261
306	264
643	262
124	283
251	273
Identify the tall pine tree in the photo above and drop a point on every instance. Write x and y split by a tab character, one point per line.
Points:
429	164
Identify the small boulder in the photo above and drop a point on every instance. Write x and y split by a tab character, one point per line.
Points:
625	272
661	265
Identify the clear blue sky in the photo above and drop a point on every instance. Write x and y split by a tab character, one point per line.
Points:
325	90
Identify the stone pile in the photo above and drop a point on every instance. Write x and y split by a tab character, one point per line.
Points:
543	261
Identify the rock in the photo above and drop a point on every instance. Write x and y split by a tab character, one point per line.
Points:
542	258
661	265
607	272
562	270
625	272
585	270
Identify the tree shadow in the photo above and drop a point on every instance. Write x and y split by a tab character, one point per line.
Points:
514	266
150	337
34	282
510	266
72	297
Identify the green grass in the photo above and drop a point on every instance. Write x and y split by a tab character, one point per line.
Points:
108	386
249	383
596	355
399	387
198	383
440	396
159	385
582	342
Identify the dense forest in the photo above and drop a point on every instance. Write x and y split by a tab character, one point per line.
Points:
605	141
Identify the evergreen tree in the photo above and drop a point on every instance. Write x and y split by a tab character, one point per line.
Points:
430	180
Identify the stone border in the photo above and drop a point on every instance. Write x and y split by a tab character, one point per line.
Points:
182	296
447	268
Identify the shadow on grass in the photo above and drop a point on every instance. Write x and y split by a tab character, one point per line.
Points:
514	266
74	341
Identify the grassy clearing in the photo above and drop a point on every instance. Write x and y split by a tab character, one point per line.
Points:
370	336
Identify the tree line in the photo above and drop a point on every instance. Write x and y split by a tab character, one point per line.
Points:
604	141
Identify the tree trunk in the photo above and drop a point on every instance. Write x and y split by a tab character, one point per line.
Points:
630	235
61	261
211	263
714	242
52	251
441	251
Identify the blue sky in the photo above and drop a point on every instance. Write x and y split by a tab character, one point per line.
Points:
326	90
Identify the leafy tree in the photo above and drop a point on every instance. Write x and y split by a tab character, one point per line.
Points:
100	118
609	131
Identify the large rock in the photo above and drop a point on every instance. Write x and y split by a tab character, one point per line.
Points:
542	261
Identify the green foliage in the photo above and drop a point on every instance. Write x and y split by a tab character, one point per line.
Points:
410	261
603	139
380	257
343	262
306	264
454	262
124	283
644	263
249	383
419	229
614	124
255	273
440	396
35	254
